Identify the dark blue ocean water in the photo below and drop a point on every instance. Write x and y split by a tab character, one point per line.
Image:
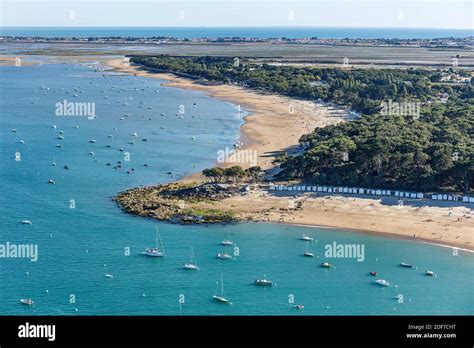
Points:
74	244
248	32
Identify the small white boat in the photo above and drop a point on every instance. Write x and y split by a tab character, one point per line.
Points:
306	238
221	298
263	282
14	130
223	256
326	265
227	241
192	265
50	181
54	162
430	273
26	222
27	301
92	153
406	265
60	137
58	145
155	252
299	306
21	141
92	141
308	254
107	275
382	282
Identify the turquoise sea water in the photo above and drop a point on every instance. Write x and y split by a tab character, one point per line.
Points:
247	32
74	244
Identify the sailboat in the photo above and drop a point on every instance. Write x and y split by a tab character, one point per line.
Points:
224	256
192	265
227	241
155	252
306	238
221	298
107	275
27	301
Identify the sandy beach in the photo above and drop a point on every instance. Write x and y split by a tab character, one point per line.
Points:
271	128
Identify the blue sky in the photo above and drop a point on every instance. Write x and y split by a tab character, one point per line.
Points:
161	13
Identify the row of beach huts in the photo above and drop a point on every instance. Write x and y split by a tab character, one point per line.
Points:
372	192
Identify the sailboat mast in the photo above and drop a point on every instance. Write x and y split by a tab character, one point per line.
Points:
222	285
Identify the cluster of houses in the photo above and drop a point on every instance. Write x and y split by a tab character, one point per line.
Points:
371	192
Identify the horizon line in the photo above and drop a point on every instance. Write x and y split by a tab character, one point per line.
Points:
218	26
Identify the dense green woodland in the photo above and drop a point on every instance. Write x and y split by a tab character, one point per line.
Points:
432	152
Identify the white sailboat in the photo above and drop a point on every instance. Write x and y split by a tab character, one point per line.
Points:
382	282
155	252
306	238
27	301
224	256
107	275
227	241
192	265
221	298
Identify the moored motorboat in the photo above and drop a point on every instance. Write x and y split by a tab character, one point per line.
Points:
263	282
308	254
373	273
326	265
306	238
223	256
430	273
299	306
26	222
382	282
406	265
